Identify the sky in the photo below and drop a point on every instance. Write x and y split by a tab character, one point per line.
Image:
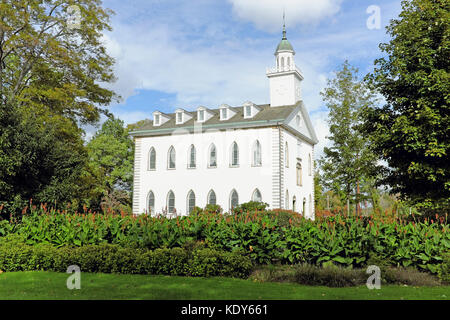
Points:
182	54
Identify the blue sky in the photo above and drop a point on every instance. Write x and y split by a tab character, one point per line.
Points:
172	53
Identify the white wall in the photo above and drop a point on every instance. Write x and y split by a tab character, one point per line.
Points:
300	192
223	179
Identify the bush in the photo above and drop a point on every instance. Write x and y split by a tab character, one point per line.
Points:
107	258
334	276
408	276
250	206
306	274
444	269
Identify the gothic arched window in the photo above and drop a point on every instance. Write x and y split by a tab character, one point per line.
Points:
212	156
234	199
256	196
190	201
299	174
170	202
192	156
257	158
212	197
234	154
151	203
171	158
152	159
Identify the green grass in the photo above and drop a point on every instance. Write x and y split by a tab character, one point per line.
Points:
50	285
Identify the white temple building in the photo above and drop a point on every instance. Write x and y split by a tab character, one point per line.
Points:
230	154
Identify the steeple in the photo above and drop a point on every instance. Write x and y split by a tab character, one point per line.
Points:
284	44
285	77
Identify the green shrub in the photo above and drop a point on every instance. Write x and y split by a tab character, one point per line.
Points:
264	236
408	276
205	262
235	264
444	269
169	261
213	208
251	206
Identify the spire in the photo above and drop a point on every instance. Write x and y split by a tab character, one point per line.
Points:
284	44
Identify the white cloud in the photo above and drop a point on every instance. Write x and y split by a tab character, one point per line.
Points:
267	14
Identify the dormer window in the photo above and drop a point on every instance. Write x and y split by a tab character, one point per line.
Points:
224	114
159	118
179	117
201	115
248	111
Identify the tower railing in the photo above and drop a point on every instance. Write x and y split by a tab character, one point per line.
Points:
285	68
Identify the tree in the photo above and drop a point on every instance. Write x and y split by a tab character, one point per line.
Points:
109	172
36	161
411	130
348	160
49	63
52	79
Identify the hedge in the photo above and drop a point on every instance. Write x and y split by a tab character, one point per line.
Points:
108	258
266	237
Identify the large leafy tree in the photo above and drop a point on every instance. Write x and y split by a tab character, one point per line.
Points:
109	172
411	130
348	160
37	161
53	74
52	57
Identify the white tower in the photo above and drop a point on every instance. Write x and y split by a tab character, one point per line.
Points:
285	77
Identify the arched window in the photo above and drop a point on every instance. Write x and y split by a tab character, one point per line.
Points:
297	120
257	159
171	158
286	156
192	155
304	205
212	156
190	201
256	196
212	197
309	164
152	159
170	202
234	154
289	62
234	199
278	63
287	200
151	203
299	174
282	63
294	203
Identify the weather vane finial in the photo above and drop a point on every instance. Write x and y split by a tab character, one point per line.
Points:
284	25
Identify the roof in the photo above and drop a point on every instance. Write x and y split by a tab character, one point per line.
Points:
266	115
284	43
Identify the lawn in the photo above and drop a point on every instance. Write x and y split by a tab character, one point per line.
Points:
50	285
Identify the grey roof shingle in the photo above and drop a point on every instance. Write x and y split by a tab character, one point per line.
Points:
267	113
